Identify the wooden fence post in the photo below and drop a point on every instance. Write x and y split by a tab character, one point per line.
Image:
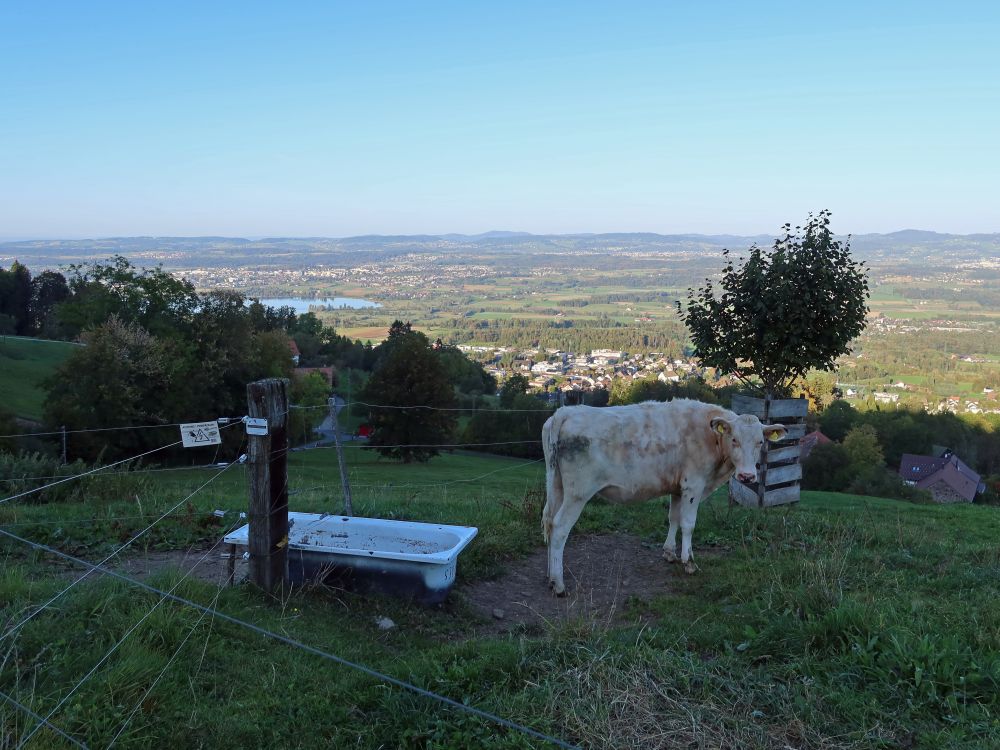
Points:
268	461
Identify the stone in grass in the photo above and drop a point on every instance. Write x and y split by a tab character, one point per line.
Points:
499	613
384	623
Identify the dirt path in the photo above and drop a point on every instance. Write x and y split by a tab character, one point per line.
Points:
602	573
206	564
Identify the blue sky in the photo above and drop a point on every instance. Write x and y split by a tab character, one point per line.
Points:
304	119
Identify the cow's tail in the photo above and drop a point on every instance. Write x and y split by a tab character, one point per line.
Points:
553	477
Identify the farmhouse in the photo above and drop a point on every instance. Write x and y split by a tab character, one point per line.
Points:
947	477
810	441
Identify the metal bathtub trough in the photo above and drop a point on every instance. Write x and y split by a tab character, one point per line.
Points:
404	558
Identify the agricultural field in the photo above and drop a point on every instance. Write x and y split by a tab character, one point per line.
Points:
842	622
24	364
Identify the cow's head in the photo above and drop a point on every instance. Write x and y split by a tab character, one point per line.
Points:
741	440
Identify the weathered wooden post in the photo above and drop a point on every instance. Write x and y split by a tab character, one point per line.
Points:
780	471
345	483
267	433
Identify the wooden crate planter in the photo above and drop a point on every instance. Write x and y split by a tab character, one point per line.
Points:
780	471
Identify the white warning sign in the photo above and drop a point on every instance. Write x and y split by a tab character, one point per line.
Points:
197	434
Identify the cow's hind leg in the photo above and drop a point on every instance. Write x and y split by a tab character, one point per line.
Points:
690	500
565	518
670	546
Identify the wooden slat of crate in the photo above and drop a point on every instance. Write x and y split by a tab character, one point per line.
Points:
745	496
781	496
785	408
787	453
796	431
788	408
782	474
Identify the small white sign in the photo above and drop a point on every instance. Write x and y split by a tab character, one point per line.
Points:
256	426
197	434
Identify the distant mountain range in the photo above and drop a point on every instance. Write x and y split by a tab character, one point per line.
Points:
187	252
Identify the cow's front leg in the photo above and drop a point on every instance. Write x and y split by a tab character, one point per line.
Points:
670	546
690	500
562	524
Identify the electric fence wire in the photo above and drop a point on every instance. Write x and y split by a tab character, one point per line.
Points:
425	485
93	670
44	721
388	679
136	536
486	410
86	473
113	429
166	667
127	472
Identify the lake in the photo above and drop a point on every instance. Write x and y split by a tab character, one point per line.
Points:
301	304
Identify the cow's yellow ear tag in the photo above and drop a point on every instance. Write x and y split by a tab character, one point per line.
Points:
720	429
773	436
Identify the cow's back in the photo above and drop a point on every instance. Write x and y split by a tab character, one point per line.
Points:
641	450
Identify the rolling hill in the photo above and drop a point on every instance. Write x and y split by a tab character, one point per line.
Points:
24	364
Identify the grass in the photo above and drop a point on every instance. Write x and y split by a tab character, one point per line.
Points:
24	364
844	621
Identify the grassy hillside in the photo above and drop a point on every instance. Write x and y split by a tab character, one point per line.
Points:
24	364
842	622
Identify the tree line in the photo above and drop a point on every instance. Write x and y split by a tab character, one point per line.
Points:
666	336
158	352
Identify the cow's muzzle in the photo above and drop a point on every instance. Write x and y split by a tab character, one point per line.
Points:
746	477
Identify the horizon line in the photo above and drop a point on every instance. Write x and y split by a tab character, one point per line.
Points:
490	234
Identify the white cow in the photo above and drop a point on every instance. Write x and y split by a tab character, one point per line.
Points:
683	448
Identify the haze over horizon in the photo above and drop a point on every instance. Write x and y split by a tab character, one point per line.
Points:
338	121
472	235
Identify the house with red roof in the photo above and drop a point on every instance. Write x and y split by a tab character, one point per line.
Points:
946	476
810	441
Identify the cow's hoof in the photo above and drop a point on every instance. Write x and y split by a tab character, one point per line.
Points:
670	556
690	568
556	589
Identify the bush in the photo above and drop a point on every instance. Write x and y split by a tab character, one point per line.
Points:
881	482
826	468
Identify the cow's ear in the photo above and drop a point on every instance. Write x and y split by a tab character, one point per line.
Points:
721	426
775	432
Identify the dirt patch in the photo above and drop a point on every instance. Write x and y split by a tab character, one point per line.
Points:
602	573
205	564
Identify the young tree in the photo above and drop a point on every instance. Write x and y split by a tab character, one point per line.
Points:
837	419
516	385
862	448
410	375
784	311
310	390
119	378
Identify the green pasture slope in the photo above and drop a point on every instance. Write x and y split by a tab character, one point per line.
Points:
843	622
24	364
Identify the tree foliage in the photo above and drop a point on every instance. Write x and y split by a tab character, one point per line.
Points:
410	374
652	389
518	424
783	311
150	297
